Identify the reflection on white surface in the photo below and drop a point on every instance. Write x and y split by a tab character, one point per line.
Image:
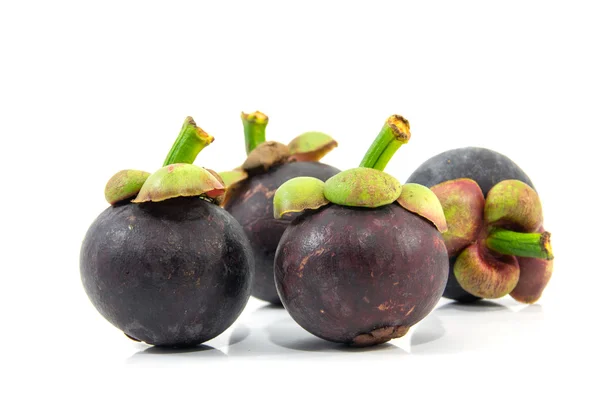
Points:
480	326
157	355
268	332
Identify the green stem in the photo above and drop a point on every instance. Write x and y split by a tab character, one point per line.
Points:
255	125
535	245
190	142
393	135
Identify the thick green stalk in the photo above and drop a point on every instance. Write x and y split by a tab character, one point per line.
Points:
190	142
393	135
255	125
535	245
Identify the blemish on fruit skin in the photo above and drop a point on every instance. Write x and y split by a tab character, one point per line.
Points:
410	311
366	299
317	252
380	335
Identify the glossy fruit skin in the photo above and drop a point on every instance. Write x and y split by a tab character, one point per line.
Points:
342	272
173	273
253	208
484	166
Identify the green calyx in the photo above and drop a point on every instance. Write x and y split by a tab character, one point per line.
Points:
311	146
234	176
462	202
494	238
358	187
513	216
513	203
422	201
299	194
179	180
365	186
362	187
368	185
124	185
484	276
178	177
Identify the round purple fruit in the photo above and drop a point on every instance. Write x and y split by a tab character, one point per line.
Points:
365	260
496	241
165	263
252	186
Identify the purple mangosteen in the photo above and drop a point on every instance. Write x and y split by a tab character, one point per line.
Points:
496	241
365	259
165	263
251	187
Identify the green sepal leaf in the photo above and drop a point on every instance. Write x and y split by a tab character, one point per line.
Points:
463	202
234	176
422	201
299	194
362	187
515	204
124	185
179	180
311	146
485	276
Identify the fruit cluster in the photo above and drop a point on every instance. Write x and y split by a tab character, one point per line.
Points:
354	256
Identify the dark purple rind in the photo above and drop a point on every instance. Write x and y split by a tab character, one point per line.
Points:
484	166
343	273
174	273
252	206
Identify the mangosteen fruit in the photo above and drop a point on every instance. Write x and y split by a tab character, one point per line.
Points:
165	263
251	187
364	260
495	239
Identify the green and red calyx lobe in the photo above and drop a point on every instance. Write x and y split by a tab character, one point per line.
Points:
499	242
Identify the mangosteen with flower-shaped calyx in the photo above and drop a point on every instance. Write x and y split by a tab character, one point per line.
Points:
365	259
165	263
496	240
251	187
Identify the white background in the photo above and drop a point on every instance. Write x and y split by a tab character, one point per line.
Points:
89	88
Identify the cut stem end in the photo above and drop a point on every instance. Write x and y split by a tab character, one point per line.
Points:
190	142
395	133
534	245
